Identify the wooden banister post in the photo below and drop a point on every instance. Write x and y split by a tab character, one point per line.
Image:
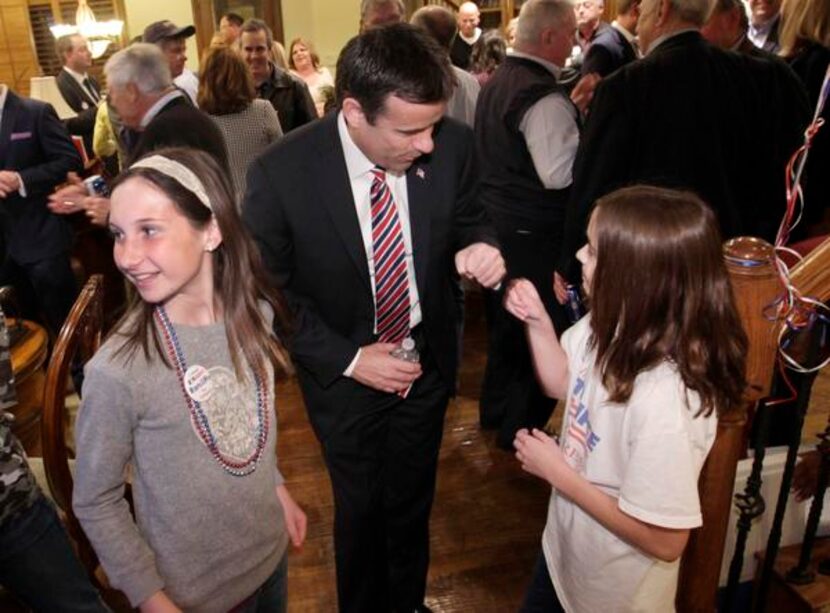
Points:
755	285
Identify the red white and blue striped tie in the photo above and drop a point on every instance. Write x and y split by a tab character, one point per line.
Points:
389	256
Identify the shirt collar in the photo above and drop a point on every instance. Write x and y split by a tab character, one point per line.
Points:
76	75
626	34
472	39
158	105
4	93
550	66
763	29
357	164
661	39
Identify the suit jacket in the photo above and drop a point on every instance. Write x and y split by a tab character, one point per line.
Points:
692	116
301	211
810	63
34	143
609	51
82	103
74	94
180	124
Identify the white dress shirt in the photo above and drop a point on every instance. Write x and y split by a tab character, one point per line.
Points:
158	105
359	168
80	78
551	133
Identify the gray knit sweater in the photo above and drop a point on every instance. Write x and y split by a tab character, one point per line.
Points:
208	538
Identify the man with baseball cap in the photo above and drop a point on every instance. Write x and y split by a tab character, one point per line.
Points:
171	39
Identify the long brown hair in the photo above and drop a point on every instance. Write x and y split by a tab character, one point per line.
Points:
239	277
225	84
660	291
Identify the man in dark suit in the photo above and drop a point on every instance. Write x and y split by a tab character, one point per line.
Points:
589	25
78	88
692	116
35	155
364	218
614	47
764	22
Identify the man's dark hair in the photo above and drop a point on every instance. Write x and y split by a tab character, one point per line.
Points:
233	18
399	60
438	22
254	25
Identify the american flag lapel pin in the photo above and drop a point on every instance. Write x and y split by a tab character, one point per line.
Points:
419	172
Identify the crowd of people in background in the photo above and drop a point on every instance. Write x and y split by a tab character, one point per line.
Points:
273	215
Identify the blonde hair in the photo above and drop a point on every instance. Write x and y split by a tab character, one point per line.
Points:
803	20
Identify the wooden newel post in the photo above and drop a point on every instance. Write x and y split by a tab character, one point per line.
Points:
755	285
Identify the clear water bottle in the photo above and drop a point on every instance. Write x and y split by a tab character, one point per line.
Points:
574	305
407	351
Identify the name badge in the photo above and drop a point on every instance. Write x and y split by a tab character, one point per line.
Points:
197	383
21	135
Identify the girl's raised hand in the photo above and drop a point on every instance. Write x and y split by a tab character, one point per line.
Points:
295	519
540	455
523	302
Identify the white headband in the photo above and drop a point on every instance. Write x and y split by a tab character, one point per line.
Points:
177	171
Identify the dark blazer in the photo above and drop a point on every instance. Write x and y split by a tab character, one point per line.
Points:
75	95
180	124
810	63
34	143
82	103
692	116
609	51
303	217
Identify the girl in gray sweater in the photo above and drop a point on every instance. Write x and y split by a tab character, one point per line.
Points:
182	393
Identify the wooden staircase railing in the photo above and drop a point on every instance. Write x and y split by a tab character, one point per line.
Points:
755	285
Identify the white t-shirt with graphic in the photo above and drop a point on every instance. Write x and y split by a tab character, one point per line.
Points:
646	453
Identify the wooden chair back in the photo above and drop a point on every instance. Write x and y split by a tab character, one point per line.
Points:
81	336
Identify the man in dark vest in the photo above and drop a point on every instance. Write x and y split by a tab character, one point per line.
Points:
467	35
527	134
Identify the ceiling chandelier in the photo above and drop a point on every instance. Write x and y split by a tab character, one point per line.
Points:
99	34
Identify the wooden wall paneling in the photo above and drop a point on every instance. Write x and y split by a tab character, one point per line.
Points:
205	23
18	62
206	20
610	11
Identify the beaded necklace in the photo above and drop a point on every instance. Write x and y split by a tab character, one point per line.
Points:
197	414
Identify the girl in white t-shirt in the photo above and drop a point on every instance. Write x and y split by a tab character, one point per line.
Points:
643	378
